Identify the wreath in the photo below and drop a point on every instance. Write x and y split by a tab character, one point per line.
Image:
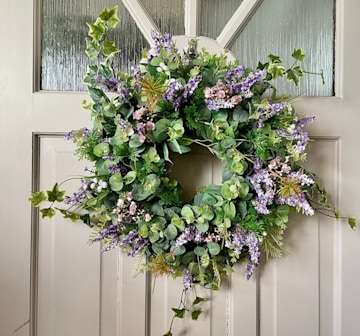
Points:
170	102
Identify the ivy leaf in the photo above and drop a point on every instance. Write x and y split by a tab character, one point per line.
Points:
179	313
69	215
198	300
294	75
37	197
109	48
352	222
195	314
169	333
110	16
96	30
298	54
274	58
55	195
48	212
276	70
92	48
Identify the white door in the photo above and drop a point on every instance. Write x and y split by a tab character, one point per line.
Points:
53	284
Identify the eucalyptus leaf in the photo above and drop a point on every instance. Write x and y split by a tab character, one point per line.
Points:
116	182
170	232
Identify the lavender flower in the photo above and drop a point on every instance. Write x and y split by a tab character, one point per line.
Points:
264	186
114	85
234	74
74	135
245	85
240	239
269	112
80	195
165	42
296	133
188	279
179	94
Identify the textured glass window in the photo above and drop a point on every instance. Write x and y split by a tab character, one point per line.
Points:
215	14
277	27
64	29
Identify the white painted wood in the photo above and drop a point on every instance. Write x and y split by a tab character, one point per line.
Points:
182	43
237	22
192	17
142	18
298	295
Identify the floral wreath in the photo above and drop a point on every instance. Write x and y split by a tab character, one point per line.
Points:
170	102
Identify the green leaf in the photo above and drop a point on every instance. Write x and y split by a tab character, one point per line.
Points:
154	237
226	191
110	16
179	313
37	197
135	141
276	70
240	114
199	251
156	61
243	190
298	54
195	314
178	222
209	199
55	195
161	128
92	48
187	213
175	147
116	182
230	210
179	250
198	300
214	248
48	212
96	30
274	58
352	222
101	149
292	76
169	333
109	48
170	232
130	177
203	226
69	215
143	231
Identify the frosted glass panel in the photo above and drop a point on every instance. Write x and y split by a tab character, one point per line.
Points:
168	15
279	26
215	14
64	29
